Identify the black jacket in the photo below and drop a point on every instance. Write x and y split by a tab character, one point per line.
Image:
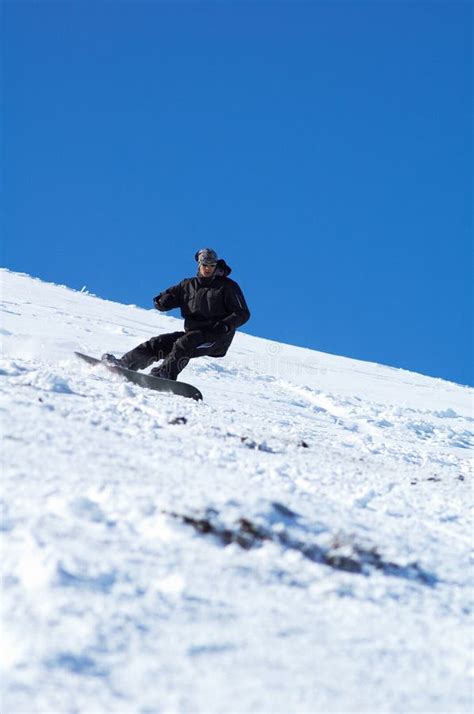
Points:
205	301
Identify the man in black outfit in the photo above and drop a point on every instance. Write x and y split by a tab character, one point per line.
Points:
213	307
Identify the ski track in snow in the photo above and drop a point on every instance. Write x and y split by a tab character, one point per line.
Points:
111	604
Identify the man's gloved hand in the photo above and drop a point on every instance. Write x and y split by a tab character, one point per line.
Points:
220	328
155	302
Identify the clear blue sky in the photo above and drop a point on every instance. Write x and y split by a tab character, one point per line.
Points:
324	149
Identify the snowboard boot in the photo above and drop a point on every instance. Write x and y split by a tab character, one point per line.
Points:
159	372
112	360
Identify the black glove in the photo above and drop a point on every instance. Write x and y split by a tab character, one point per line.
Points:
220	328
156	303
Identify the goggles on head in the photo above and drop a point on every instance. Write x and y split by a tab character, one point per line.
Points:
206	256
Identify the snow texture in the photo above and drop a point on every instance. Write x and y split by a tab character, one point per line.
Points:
300	541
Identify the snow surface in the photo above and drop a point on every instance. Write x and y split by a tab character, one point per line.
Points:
300	541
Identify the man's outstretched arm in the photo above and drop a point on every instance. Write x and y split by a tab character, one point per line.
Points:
169	299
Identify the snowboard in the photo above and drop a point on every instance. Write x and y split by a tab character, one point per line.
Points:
147	380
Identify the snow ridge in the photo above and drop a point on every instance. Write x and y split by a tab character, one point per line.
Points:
299	541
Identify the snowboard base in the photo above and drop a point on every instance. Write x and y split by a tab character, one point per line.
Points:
147	380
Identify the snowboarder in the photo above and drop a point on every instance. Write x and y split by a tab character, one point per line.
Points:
213	307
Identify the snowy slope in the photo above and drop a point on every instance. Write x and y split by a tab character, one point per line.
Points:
298	542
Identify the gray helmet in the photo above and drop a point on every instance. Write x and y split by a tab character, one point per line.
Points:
205	256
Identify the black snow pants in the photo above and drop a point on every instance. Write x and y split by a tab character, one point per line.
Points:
176	349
